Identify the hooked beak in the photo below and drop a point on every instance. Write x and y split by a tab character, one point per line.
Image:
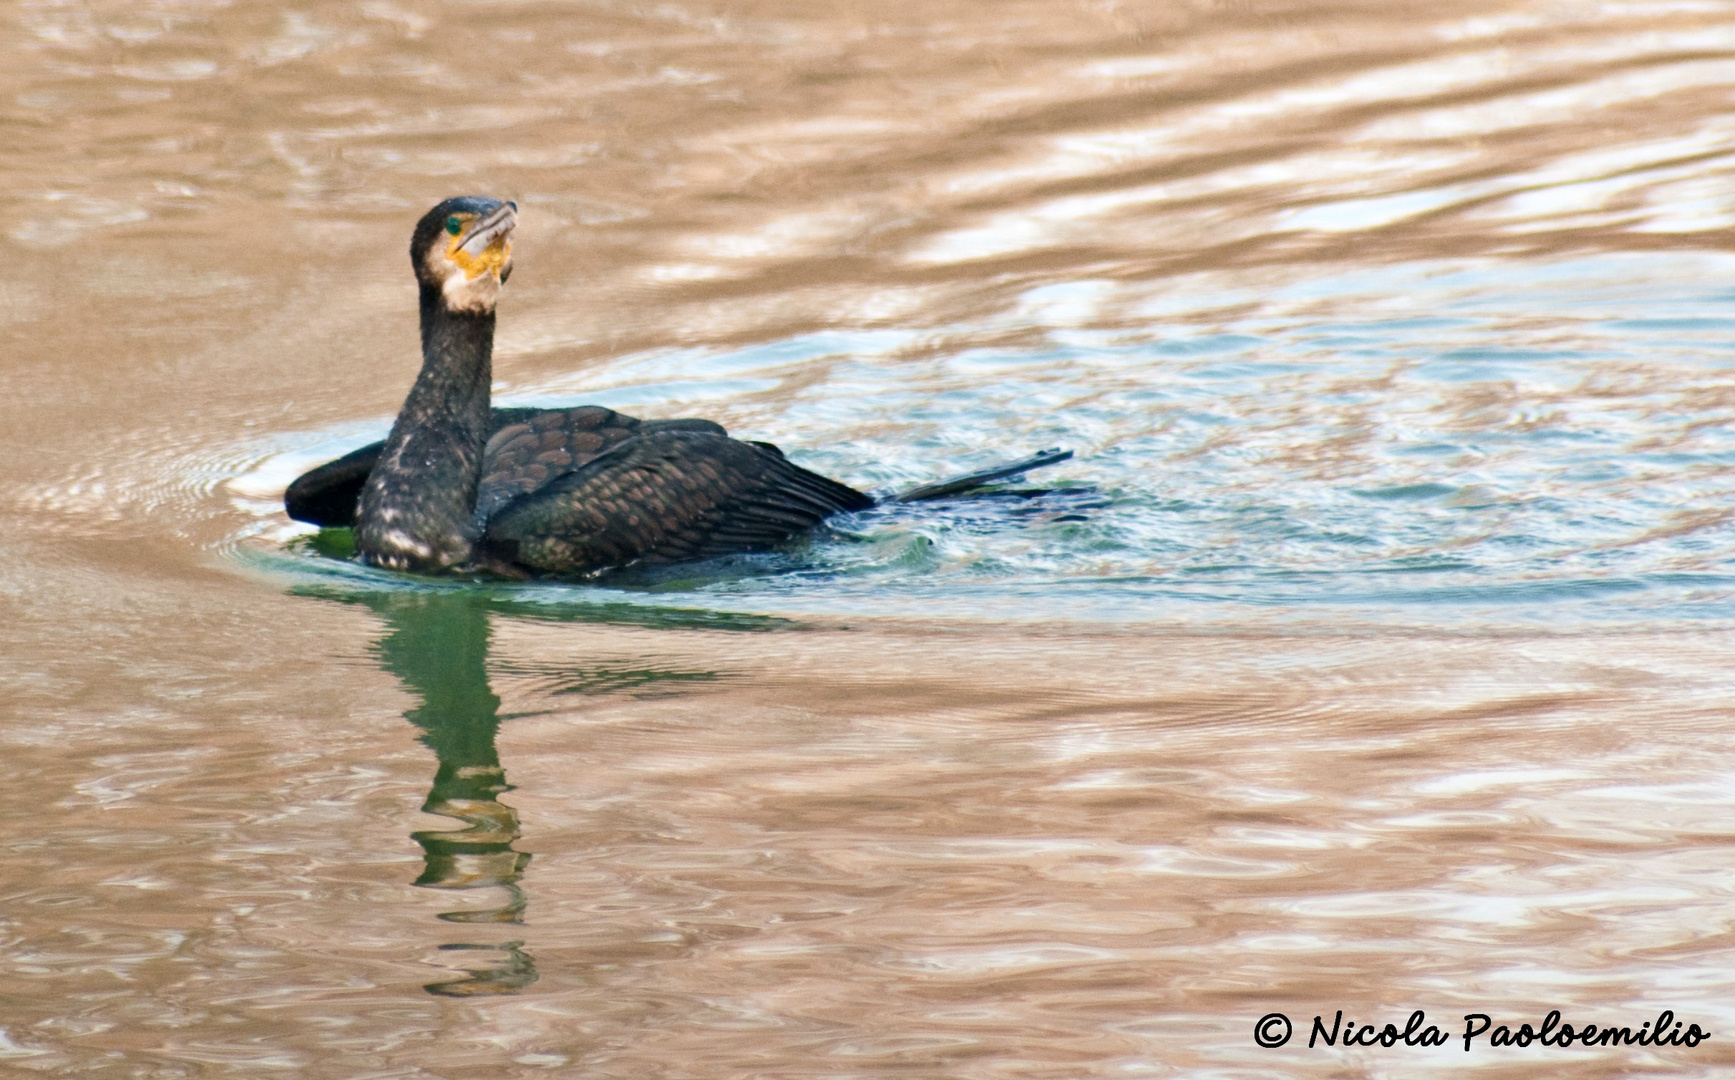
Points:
492	231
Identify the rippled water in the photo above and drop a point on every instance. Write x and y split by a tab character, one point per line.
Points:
1435	455
1371	653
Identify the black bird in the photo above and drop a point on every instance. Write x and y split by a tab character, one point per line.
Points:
458	485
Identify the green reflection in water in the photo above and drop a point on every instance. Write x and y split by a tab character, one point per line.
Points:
436	641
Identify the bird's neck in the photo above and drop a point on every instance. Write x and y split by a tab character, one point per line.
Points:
417	511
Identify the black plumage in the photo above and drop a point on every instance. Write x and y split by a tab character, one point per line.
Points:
663	498
327	496
458	485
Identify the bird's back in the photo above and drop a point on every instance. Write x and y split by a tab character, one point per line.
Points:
540	445
666	494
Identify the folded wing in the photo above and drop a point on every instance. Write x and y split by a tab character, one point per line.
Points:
664	495
526	447
525	455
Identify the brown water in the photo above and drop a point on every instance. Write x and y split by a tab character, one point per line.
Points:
1374	656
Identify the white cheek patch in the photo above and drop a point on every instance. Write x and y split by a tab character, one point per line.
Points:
476	295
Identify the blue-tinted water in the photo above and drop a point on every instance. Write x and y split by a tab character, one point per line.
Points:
1437	443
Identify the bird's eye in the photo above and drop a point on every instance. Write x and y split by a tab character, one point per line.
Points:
454	226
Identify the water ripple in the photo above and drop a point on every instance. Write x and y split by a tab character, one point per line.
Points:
1486	466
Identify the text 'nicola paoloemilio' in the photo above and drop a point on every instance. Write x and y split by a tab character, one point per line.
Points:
1664	1031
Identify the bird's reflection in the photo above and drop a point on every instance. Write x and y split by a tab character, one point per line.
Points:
437	643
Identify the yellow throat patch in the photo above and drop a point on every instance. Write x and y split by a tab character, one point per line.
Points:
493	257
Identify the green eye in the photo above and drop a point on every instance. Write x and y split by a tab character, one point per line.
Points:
454	226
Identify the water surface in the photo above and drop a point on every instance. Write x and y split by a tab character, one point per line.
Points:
1372	652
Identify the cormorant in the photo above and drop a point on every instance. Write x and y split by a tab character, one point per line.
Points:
458	485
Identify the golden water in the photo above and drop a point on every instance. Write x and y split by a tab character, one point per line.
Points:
1380	660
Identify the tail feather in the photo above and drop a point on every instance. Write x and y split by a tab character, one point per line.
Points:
957	485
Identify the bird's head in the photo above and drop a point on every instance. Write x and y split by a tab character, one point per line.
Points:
462	249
